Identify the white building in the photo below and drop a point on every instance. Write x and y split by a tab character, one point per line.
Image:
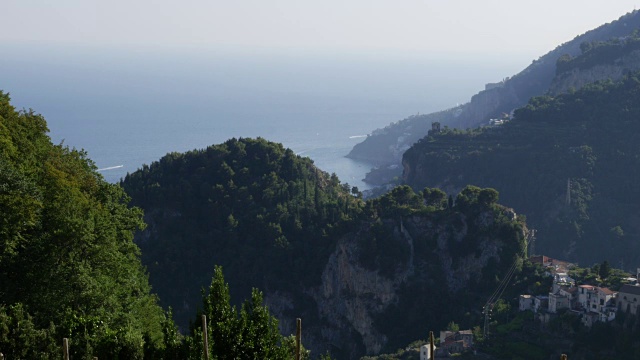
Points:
629	299
540	303
558	301
526	303
597	303
561	280
585	295
425	352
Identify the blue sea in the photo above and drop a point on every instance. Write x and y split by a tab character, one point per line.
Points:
128	106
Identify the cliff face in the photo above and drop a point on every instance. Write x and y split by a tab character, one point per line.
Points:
451	255
350	296
576	78
388	144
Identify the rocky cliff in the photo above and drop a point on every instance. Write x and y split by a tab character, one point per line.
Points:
445	255
363	275
614	69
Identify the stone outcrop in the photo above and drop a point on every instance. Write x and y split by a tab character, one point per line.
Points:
577	78
352	296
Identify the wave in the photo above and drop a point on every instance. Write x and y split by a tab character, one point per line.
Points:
111	168
357	136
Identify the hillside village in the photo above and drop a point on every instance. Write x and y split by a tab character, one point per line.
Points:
589	302
451	342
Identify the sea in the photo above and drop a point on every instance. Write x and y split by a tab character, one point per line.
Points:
129	106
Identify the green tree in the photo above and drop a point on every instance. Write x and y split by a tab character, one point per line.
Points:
434	197
68	264
251	333
605	270
467	197
452	326
488	196
21	338
289	343
244	196
222	318
260	336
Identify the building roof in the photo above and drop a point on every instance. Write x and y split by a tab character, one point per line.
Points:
539	259
630	289
558	265
607	291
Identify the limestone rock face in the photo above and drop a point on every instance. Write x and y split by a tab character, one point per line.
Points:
351	295
577	78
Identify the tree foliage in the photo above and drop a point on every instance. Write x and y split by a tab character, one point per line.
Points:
245	196
269	216
68	264
251	333
569	162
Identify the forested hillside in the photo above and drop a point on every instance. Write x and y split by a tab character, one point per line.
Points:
570	163
357	272
69	267
360	274
246	205
386	146
68	264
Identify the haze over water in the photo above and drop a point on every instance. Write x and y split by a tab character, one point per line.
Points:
127	107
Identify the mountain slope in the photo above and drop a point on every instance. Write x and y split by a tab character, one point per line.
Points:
569	163
349	268
387	145
68	264
246	204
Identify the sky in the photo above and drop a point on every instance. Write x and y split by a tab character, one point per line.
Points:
436	27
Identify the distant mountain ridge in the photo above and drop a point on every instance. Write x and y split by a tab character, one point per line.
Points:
569	162
386	146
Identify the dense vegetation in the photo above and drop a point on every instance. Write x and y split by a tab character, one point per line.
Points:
69	267
250	333
273	220
68	264
569	163
246	204
599	53
446	230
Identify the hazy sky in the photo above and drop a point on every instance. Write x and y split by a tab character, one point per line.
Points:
526	28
